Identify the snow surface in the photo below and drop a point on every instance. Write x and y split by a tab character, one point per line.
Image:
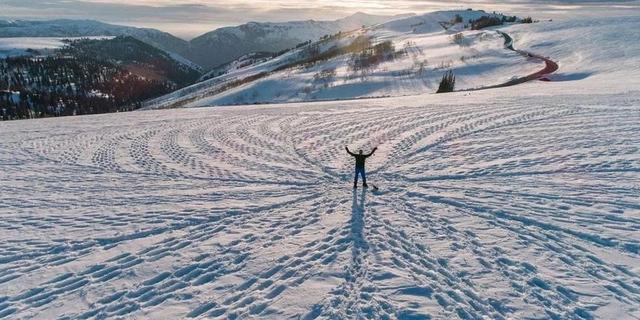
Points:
487	62
509	203
595	54
488	207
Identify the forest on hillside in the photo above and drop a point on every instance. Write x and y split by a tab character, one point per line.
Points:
88	76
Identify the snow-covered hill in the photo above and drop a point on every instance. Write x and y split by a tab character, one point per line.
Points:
241	62
230	43
65	28
591	52
85	76
209	50
490	206
422	48
595	54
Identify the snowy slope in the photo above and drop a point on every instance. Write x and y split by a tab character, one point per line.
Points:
483	62
595	54
241	62
429	50
488	208
230	43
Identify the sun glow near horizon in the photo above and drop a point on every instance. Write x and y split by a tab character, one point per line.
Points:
190	18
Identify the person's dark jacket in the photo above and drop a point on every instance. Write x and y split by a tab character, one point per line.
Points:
360	158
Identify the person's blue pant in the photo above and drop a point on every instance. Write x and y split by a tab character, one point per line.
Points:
360	171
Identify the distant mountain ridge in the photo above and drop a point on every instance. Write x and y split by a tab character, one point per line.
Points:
90	28
208	50
230	43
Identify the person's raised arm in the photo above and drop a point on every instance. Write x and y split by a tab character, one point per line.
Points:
372	151
349	152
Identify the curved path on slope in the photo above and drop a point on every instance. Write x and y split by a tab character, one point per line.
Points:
550	65
549	68
494	211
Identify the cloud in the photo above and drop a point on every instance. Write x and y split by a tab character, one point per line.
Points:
188	18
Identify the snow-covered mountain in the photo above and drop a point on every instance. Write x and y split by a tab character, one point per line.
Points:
226	44
414	53
424	47
90	28
208	50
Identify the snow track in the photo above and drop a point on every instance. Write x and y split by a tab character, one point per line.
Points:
494	211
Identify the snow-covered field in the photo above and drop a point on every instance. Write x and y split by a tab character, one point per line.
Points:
512	203
489	207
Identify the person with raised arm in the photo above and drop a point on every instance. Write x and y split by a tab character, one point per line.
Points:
360	160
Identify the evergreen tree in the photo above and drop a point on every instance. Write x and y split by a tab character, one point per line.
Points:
448	82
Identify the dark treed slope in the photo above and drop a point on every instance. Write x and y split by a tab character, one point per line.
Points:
88	76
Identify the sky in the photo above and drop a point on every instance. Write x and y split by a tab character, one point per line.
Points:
190	18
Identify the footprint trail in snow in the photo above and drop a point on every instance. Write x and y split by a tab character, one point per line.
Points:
496	211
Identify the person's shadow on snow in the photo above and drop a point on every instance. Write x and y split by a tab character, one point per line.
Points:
357	220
